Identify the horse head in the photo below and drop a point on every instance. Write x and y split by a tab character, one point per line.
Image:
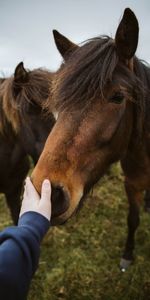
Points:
94	92
30	90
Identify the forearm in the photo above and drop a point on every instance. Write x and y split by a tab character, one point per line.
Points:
19	254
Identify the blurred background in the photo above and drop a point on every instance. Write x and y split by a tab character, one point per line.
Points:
79	261
26	28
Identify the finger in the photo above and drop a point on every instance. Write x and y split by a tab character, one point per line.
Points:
30	190
45	202
25	193
46	191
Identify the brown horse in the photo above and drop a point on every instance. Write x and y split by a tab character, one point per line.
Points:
101	95
23	129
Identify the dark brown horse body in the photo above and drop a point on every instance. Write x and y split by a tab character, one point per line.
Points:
101	95
23	129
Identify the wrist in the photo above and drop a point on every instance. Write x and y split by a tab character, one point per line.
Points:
36	222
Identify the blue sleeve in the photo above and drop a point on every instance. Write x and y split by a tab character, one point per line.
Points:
19	255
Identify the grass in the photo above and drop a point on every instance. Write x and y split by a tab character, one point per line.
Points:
80	260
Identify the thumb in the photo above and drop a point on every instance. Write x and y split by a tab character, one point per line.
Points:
46	191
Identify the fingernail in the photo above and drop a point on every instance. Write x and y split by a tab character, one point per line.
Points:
46	183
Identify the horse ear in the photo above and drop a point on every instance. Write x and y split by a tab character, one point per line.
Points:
20	75
126	38
64	45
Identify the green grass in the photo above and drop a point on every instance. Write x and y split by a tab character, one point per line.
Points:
80	260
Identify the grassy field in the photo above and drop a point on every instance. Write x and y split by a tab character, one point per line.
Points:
80	260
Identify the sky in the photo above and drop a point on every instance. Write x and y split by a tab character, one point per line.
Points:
26	28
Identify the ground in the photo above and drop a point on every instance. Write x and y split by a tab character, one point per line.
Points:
80	260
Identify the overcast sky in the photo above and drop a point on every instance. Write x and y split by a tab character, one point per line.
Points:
26	28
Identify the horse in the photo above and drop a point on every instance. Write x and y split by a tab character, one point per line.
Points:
101	94
23	129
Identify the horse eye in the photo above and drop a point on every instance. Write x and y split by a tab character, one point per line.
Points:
117	98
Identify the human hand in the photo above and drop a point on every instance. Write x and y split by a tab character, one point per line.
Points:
33	202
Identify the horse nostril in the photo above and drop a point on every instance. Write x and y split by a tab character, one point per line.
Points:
60	201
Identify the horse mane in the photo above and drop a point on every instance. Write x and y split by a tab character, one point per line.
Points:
14	107
142	71
2	80
84	75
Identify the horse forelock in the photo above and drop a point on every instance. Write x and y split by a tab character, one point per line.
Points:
84	74
82	78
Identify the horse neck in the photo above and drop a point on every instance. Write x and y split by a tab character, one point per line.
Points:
6	129
141	110
142	72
